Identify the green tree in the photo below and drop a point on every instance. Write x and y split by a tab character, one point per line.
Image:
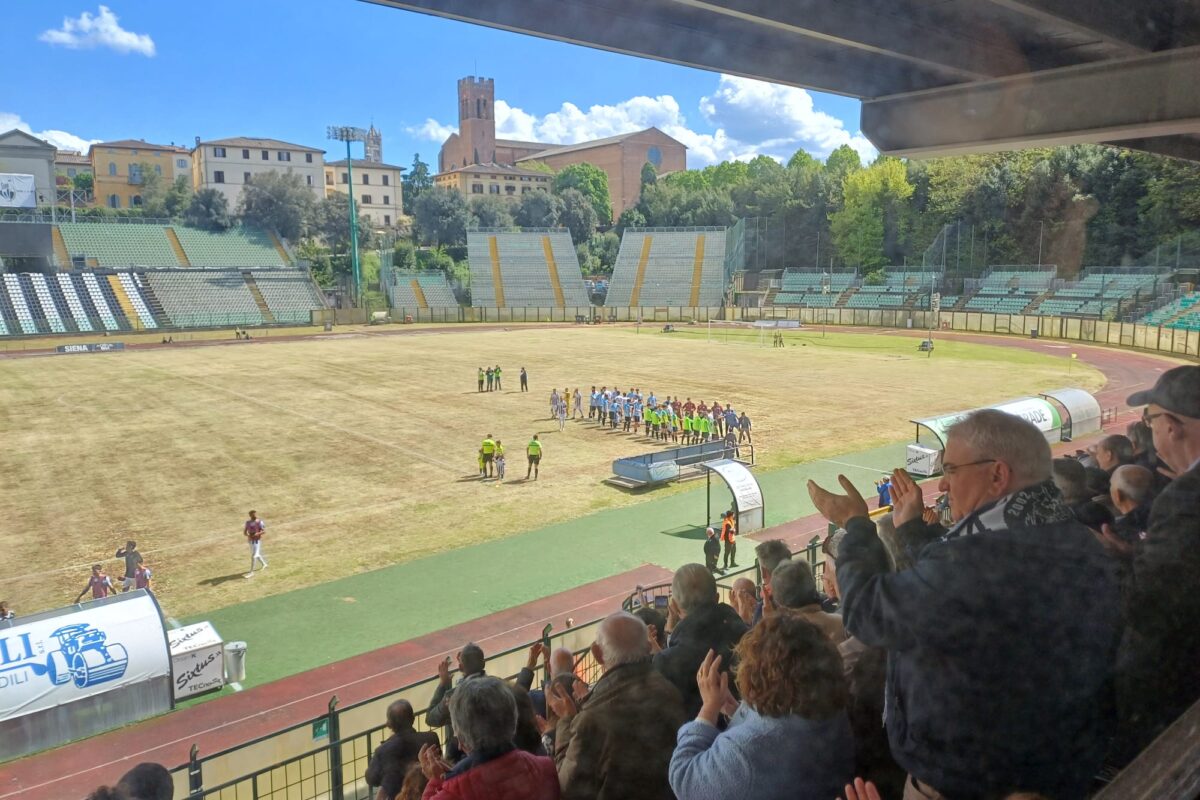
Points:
414	183
491	212
441	216
841	163
151	188
331	222
691	179
208	210
318	256
278	201
179	197
538	210
801	159
649	175
404	255
602	249
577	215
84	182
631	217
591	182
869	227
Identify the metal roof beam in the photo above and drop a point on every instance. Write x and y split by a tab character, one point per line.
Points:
1134	27
1135	98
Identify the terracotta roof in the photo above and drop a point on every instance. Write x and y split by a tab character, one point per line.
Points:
269	144
555	150
362	162
519	143
138	144
479	169
67	157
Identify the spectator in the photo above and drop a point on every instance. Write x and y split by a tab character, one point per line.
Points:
1131	495
712	550
484	717
1071	479
796	590
1144	455
528	737
998	673
697	622
770	554
792	740
392	759
656	626
898	552
414	784
146	781
471	664
1161	647
618	743
1113	451
744	599
6	613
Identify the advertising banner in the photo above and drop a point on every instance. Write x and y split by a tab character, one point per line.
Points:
923	461
17	191
1037	410
746	492
100	347
58	659
196	659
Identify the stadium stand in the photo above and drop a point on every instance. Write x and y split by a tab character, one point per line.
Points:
413	289
1182	312
289	294
102	244
524	269
203	298
112	245
669	267
237	247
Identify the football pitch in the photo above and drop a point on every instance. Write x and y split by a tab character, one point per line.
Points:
359	450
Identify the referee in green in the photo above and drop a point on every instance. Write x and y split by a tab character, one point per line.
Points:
533	454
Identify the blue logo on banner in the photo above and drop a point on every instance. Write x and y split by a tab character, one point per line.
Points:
82	656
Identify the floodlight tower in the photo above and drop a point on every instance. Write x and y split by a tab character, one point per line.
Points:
347	134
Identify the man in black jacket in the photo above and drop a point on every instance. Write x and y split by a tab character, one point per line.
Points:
471	664
696	623
712	550
393	758
1002	634
1157	678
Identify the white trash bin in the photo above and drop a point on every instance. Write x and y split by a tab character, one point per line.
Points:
235	662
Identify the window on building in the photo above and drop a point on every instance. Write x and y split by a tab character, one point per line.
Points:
218	176
218	152
329	179
366	179
70	172
134	151
112	168
308	179
476	188
281	155
493	188
345	178
510	190
385	181
135	173
266	155
158	169
135	201
387	200
308	157
387	219
245	177
524	190
246	152
181	163
114	201
367	200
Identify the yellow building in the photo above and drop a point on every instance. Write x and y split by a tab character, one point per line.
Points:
377	189
118	166
494	180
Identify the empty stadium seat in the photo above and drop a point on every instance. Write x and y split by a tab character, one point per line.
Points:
523	269
204	298
236	247
119	245
289	294
670	268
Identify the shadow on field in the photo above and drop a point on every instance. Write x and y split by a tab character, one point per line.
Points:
223	579
686	532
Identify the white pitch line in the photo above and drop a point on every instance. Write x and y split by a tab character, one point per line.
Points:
237	687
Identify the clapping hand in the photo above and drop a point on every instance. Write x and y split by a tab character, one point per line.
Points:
838	509
907	501
560	701
1114	544
535	653
861	790
432	763
444	670
714	686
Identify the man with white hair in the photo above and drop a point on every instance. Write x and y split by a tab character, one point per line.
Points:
1157	674
618	742
1131	492
1001	635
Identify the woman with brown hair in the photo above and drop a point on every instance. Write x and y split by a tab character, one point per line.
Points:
790	738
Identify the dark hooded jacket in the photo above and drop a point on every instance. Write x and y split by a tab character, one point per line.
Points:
717	627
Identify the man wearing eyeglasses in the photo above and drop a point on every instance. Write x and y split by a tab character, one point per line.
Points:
1002	634
1158	673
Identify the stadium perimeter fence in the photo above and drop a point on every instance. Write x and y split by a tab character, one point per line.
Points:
325	758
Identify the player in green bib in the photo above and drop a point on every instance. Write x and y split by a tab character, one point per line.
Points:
687	429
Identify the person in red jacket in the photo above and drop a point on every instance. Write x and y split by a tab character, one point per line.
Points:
484	715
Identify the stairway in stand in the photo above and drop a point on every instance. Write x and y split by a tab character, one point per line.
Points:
263	309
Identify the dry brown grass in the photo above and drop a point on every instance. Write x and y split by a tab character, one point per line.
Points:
360	451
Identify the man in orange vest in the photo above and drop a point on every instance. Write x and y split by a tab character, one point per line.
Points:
729	537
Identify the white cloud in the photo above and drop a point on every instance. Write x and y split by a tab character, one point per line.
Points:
102	30
749	118
431	130
60	139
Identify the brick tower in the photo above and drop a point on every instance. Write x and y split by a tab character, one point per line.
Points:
477	119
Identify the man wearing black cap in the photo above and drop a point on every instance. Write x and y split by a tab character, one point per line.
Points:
1157	678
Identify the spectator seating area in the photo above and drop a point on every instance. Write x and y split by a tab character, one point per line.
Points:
1183	313
419	290
95	302
1001	281
524	269
669	267
804	288
116	245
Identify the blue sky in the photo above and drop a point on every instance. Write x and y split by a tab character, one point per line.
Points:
168	71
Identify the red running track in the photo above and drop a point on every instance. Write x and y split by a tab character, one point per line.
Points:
74	770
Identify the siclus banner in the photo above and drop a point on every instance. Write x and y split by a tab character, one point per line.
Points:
52	661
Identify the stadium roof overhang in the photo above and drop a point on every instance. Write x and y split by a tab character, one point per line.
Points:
937	77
